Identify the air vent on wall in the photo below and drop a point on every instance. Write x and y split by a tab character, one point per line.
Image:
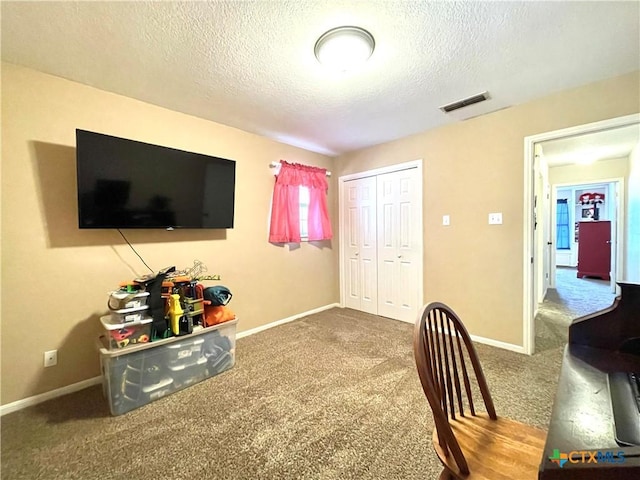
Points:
480	97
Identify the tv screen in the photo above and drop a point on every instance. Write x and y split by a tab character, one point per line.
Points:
128	184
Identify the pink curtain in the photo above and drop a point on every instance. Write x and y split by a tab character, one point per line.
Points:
285	209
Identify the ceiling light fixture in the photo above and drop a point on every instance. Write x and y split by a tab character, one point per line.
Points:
343	48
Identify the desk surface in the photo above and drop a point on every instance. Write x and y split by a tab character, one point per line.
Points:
582	421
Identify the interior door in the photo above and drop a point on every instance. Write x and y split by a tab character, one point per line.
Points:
399	244
360	244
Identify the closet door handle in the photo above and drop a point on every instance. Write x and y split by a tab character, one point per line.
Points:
357	253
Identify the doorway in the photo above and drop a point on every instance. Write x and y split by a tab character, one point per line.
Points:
570	202
381	241
536	270
574	292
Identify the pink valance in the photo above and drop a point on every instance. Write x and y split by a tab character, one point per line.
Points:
296	175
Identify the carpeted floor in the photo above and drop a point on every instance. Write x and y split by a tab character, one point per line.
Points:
572	298
334	395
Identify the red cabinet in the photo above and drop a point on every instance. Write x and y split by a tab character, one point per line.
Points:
594	249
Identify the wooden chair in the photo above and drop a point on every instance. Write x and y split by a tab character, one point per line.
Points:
470	444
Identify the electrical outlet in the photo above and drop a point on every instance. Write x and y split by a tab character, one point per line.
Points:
50	358
446	220
495	219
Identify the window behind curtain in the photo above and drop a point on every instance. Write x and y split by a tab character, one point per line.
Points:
304	213
562	225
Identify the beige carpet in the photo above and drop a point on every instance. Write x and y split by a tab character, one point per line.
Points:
331	396
572	298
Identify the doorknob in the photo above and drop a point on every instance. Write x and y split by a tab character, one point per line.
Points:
399	256
357	253
608	241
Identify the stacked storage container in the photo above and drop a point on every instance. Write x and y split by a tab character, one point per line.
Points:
139	374
129	322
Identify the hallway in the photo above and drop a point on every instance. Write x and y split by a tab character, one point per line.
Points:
572	298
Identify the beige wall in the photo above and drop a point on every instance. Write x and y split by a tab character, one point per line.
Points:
602	170
55	277
475	167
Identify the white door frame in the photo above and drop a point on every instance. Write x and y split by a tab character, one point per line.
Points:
341	230
528	298
542	231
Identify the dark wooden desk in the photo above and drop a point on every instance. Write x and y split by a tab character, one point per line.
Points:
582	421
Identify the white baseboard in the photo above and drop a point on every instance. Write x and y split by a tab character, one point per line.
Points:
475	338
489	341
246	333
43	397
58	392
499	344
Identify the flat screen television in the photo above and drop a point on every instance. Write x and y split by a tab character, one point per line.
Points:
129	184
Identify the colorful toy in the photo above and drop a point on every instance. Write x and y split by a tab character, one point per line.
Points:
175	312
122	334
121	337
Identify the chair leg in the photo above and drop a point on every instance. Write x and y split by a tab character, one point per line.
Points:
446	475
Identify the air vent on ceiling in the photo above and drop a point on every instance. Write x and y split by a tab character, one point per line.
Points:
480	97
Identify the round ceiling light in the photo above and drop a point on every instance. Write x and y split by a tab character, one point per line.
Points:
343	48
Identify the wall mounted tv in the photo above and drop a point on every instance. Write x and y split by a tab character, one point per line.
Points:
128	184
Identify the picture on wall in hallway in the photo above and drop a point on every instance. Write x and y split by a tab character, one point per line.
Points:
587	213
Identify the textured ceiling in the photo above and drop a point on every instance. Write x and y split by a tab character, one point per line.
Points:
251	65
602	145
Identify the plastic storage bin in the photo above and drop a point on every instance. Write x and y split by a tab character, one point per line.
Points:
125	315
189	373
121	335
184	353
137	375
122	300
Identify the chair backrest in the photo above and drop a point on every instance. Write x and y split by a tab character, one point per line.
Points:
440	342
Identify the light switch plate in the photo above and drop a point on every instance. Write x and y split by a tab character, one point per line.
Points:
446	220
495	218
